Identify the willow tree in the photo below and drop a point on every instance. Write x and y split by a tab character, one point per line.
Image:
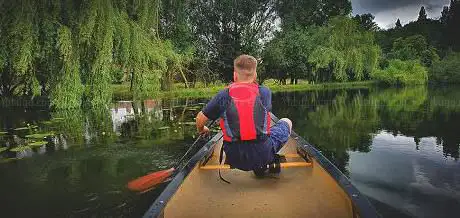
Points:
18	46
344	51
68	50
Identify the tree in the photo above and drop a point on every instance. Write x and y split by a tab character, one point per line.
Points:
69	50
414	48
287	55
227	29
446	70
398	24
366	21
422	14
453	23
310	12
402	73
444	15
339	51
343	52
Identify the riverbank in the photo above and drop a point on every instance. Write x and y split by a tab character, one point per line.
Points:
121	91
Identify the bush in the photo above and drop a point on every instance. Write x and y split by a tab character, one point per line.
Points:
447	70
402	73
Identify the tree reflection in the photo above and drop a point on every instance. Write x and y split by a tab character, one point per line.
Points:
335	122
339	121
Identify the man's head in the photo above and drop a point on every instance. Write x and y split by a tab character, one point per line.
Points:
245	67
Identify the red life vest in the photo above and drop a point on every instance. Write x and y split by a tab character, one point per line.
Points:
245	117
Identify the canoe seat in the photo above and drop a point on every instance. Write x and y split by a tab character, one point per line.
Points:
283	165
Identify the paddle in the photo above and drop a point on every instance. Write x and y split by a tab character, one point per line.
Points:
152	179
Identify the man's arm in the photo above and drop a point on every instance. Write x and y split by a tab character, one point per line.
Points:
201	120
212	111
267	98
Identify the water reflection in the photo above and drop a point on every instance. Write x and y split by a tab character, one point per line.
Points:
90	155
399	146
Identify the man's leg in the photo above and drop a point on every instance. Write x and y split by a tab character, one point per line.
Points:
280	132
279	135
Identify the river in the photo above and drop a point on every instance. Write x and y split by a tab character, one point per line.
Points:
400	147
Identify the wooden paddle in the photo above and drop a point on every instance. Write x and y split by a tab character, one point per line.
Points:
152	179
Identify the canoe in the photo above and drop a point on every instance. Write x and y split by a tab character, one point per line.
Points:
309	185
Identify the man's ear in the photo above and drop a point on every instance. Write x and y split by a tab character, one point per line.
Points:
235	76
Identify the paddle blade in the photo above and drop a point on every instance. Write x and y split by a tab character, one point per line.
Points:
150	180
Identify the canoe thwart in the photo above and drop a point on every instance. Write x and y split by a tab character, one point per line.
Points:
283	165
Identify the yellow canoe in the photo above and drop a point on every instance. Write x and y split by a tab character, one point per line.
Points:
309	185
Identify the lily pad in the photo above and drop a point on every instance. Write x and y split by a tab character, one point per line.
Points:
37	144
39	135
3	149
164	127
58	118
47	122
20	148
26	128
7	160
3	133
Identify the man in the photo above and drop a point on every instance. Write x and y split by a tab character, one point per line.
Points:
244	106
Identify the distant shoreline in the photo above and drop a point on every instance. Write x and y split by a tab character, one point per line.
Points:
121	91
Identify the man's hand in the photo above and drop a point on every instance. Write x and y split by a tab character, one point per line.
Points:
204	131
201	120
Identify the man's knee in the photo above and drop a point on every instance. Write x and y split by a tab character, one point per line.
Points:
289	122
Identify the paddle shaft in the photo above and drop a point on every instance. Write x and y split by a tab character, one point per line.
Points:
191	148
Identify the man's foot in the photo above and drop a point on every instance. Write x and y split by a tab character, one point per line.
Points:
260	172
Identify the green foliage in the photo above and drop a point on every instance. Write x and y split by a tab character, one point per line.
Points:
340	51
452	32
304	13
287	55
366	21
66	86
414	48
226	29
402	73
71	51
348	52
447	70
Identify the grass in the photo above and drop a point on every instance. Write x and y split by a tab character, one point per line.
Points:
121	91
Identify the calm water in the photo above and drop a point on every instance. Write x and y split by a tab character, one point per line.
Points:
400	147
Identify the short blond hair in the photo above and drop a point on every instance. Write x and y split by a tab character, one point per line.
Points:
245	66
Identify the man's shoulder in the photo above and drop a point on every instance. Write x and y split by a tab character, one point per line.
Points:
222	93
264	90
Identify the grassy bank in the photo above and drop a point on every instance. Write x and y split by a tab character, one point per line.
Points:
121	91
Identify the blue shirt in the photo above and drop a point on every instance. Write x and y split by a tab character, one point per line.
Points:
242	155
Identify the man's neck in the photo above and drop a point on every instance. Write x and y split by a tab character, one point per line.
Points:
246	81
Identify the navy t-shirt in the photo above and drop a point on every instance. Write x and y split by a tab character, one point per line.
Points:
242	155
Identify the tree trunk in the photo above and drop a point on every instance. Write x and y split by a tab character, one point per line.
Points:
185	78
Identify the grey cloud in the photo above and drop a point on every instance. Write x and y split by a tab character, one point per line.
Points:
386	12
375	6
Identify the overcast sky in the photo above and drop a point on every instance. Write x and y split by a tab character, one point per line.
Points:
386	12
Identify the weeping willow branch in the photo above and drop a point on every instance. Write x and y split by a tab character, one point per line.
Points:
70	50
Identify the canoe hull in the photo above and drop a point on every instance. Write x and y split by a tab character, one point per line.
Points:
317	190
